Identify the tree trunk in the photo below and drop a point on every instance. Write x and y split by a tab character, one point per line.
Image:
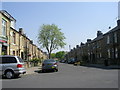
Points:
49	55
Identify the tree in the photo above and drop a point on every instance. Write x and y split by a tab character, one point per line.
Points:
53	55
50	37
60	55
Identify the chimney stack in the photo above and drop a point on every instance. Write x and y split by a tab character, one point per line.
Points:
99	33
88	40
118	23
21	31
77	46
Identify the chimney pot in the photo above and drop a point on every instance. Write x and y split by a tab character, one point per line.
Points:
99	33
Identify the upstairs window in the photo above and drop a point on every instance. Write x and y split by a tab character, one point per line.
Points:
4	27
108	53
14	38
115	37
116	52
108	39
13	24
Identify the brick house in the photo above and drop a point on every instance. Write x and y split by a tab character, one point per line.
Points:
15	42
103	48
6	21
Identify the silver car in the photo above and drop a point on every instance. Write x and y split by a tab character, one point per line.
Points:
49	64
11	66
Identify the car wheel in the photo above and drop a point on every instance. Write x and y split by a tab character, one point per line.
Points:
43	71
17	75
9	74
56	70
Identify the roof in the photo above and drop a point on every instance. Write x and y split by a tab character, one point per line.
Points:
5	13
101	36
112	30
97	38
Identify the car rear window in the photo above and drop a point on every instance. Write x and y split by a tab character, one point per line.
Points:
8	60
20	60
50	60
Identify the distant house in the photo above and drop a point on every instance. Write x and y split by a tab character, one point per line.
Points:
105	47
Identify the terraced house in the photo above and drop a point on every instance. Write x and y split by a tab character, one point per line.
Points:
15	42
105	48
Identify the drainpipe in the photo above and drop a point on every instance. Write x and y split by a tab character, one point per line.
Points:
9	42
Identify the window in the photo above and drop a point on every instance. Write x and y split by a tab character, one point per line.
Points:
4	27
115	37
97	56
14	40
17	53
13	24
108	53
20	60
116	52
108	39
100	55
14	53
112	54
8	60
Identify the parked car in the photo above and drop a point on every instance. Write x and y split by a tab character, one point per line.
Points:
62	61
71	61
11	66
49	64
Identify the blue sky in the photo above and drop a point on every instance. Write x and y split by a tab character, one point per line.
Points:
78	20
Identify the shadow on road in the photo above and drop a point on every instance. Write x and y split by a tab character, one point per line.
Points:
40	71
4	78
103	67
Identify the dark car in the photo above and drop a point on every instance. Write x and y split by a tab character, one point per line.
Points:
49	64
71	61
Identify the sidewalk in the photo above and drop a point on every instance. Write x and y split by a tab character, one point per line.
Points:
32	70
104	67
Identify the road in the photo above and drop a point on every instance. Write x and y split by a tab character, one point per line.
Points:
68	76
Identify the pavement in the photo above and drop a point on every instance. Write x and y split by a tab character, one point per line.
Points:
103	66
33	70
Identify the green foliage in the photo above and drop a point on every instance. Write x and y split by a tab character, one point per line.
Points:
53	55
3	53
51	38
35	61
60	55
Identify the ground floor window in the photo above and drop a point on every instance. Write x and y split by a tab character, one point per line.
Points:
22	55
4	50
14	53
108	53
116	52
17	53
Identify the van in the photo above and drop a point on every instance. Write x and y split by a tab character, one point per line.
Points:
11	66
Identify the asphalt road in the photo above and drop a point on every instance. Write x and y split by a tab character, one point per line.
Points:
68	76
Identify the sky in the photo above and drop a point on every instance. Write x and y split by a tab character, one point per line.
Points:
78	21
